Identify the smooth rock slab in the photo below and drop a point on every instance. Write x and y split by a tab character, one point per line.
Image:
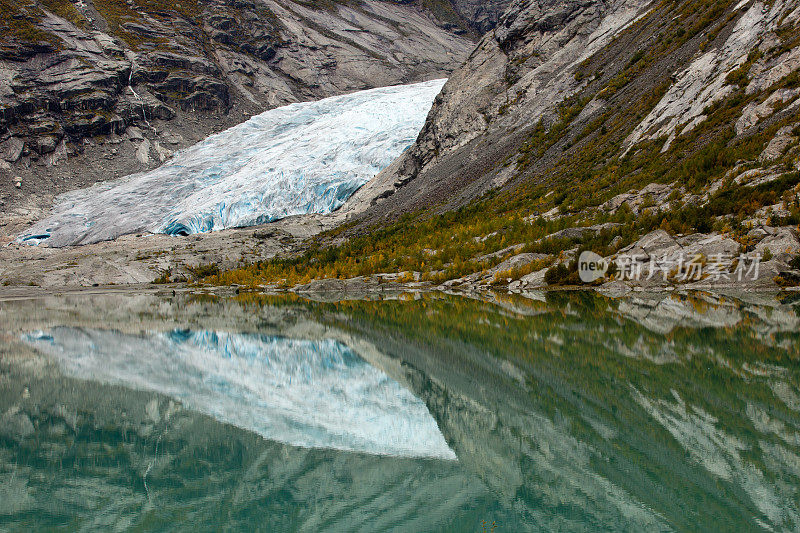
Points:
784	244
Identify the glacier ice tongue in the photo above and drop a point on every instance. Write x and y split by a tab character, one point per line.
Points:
301	158
305	393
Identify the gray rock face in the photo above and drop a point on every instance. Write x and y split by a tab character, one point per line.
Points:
720	261
783	245
530	60
482	15
517	76
263	54
704	81
613	77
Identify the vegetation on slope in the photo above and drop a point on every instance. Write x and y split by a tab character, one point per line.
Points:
18	25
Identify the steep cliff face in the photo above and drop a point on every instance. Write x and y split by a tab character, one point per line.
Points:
109	87
591	99
481	15
522	71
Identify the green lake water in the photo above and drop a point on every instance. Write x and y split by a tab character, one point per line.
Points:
564	411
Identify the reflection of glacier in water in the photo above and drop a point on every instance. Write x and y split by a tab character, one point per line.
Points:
301	158
308	393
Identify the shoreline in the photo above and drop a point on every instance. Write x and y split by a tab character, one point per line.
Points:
24	292
159	259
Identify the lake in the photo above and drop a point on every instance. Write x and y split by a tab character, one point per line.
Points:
560	411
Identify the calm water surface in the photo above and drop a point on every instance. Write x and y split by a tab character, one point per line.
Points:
557	412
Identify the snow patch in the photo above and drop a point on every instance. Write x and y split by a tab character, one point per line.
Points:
301	158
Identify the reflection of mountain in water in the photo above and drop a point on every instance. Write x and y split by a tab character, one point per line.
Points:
579	419
309	393
96	457
574	413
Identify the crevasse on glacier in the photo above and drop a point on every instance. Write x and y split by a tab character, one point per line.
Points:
306	393
301	158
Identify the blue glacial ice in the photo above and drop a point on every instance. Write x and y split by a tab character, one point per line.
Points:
305	393
301	158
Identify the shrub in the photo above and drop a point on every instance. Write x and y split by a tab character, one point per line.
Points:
519	272
557	275
787	279
202	271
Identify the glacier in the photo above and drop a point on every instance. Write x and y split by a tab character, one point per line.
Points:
306	393
302	158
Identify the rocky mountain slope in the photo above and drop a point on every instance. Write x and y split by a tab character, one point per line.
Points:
590	124
614	87
614	126
100	88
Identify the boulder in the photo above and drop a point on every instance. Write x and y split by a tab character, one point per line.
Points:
657	243
709	246
761	231
518	261
11	149
135	134
46	144
783	244
143	152
534	279
162	152
15	425
58	155
172	138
